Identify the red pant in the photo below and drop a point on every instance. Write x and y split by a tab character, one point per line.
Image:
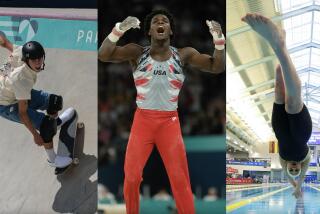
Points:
161	129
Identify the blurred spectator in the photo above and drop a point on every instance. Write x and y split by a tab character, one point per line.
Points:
104	196
212	194
162	195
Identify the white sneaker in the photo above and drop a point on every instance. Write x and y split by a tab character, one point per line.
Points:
65	116
61	162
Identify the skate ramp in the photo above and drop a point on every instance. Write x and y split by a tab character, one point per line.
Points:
27	183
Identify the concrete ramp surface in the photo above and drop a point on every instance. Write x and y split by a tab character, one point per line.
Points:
27	183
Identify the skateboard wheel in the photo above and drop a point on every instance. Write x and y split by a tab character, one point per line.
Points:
76	161
80	125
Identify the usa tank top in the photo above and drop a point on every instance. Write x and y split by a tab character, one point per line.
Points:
158	83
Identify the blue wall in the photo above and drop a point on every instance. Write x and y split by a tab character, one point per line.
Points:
51	33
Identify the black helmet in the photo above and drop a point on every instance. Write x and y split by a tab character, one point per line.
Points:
32	50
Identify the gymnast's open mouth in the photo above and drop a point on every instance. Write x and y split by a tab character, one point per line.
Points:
160	30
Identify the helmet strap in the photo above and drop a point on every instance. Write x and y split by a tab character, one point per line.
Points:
27	62
43	64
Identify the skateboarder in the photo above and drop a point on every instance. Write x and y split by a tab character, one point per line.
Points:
19	102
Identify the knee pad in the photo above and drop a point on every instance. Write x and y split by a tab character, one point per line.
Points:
55	104
48	128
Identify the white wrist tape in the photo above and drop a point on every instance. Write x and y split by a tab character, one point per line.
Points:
116	33
219	42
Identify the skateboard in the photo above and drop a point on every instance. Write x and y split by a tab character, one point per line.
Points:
70	135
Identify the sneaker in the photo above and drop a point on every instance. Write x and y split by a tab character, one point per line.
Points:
65	116
61	162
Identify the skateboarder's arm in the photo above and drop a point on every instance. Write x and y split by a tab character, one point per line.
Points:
23	107
4	42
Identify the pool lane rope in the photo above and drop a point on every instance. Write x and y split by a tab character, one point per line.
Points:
242	203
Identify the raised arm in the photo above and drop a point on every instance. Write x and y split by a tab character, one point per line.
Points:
284	168
213	64
109	52
4	42
304	168
297	184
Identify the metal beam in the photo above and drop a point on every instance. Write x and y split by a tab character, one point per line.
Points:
241	134
304	46
269	82
266	59
256	86
262	101
314	110
314	100
315	70
290	14
236	146
315	95
252	63
313	90
316	92
261	95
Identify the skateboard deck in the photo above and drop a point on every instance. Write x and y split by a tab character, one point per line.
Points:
68	141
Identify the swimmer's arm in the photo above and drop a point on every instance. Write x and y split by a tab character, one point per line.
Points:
304	169
284	168
109	52
213	64
4	42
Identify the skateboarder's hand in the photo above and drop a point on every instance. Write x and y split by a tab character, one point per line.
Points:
38	139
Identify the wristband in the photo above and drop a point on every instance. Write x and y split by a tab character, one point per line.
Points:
219	42
116	33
